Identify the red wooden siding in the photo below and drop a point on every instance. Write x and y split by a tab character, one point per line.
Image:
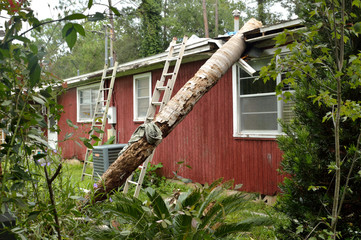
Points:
203	140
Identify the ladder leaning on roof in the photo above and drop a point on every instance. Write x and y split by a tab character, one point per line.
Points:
100	113
163	86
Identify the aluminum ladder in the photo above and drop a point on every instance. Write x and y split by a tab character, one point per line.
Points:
163	86
100	114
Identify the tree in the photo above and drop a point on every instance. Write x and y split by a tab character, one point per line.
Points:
151	41
205	19
186	17
28	98
175	111
322	146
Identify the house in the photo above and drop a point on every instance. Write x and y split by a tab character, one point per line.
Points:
231	131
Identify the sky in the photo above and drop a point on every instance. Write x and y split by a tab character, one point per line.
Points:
42	9
45	9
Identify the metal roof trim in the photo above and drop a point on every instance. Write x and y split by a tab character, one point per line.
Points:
194	48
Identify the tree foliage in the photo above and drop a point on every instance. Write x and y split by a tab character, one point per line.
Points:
151	41
29	180
142	28
321	146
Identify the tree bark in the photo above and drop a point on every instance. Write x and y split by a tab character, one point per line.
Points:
205	19
175	111
216	19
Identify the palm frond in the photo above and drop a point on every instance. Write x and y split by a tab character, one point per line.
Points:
131	210
181	226
215	193
189	199
158	205
246	225
216	183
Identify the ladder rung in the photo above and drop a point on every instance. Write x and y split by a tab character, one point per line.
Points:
87	174
132	182
162	88
157	103
104	89
169	74
150	118
105	100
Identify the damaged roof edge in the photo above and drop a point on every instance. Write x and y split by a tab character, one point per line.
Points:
202	46
198	47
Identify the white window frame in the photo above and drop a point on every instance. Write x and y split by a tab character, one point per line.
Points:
237	131
84	120
136	117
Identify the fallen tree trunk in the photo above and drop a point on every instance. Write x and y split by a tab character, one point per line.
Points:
175	111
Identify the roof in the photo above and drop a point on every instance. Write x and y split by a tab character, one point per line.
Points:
196	49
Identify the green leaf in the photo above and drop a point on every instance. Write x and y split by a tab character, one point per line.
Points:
77	198
115	11
96	17
33	48
68	135
97	130
35	72
299	229
79	28
6	103
238	186
357	27
90	4
38	100
23	39
75	16
356	3
71	38
70	123
95	138
66	29
86	142
159	207
38	139
33	215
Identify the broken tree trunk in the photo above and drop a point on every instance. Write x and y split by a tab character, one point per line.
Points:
175	111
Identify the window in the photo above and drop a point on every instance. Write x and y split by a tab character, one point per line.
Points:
86	100
142	95
256	106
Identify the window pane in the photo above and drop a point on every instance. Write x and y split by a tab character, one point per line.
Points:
261	121
94	97
250	86
84	96
143	92
143	105
259	104
84	112
259	113
143	82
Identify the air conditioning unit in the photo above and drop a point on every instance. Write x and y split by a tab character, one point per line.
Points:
104	156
